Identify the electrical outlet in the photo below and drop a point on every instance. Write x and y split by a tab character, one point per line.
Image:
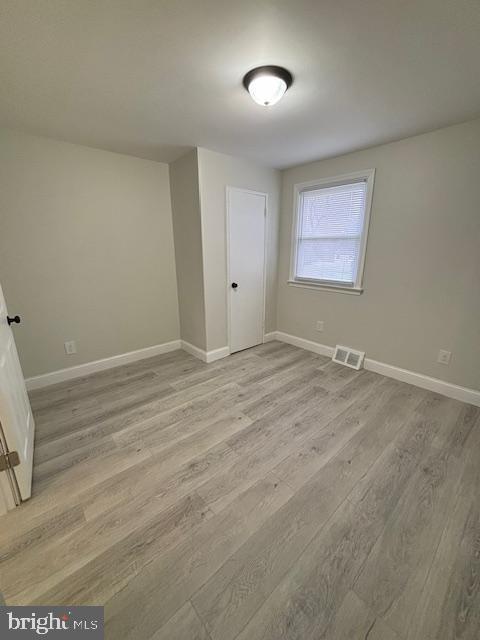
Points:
444	356
320	325
70	347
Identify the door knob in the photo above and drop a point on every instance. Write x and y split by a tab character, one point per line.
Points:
234	285
15	319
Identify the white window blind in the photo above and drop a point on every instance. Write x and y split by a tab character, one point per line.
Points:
329	233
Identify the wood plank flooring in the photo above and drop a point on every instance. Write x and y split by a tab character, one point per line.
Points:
270	495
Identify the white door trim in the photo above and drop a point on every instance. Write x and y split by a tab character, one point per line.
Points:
228	190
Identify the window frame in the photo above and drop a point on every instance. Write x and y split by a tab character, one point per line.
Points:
367	175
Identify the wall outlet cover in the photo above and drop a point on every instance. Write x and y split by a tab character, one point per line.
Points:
320	325
444	356
70	347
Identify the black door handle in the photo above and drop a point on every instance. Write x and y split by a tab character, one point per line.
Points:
15	319
234	285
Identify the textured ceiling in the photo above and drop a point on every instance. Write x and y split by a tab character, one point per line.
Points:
153	78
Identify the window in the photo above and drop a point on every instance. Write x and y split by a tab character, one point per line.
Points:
330	231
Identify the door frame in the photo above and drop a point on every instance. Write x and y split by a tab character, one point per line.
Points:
228	190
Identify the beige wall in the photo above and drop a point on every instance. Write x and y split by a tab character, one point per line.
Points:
86	251
188	248
422	274
216	172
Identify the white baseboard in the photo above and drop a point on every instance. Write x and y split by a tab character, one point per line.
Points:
194	351
309	345
464	394
205	356
47	379
80	370
218	354
268	337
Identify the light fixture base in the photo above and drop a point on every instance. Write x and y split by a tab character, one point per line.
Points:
268	70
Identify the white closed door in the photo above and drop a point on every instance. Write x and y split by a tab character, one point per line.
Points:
246	267
16	420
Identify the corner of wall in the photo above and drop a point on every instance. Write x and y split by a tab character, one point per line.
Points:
188	243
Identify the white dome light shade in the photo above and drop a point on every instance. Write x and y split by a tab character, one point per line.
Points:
266	85
267	90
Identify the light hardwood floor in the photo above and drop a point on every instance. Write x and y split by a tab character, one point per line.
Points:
272	495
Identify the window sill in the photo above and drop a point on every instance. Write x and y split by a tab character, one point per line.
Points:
355	291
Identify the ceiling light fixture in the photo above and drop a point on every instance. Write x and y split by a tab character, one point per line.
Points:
267	84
